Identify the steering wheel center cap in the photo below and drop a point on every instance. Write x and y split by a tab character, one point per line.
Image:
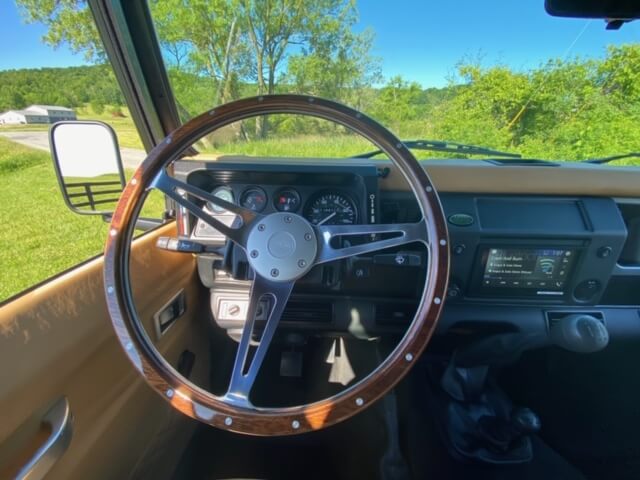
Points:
282	247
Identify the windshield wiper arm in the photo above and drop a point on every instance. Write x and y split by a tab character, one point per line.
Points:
443	146
612	158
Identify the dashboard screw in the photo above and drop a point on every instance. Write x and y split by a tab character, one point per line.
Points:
274	272
287	219
307	236
408	357
295	424
261	227
359	401
254	253
302	263
228	421
170	393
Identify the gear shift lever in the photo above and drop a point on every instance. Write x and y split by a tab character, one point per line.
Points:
579	333
480	421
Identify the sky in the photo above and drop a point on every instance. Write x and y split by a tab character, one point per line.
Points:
422	40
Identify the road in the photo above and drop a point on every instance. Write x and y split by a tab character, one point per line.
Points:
131	157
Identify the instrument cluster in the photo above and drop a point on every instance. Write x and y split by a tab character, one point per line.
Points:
325	206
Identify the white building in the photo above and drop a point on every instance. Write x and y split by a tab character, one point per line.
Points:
37	114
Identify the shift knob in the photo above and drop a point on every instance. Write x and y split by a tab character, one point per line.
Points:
524	421
579	333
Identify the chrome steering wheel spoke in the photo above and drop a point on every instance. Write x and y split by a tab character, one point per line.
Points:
238	232
403	233
264	294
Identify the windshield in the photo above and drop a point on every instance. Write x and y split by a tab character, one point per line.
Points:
503	75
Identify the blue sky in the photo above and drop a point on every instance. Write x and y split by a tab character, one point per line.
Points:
420	39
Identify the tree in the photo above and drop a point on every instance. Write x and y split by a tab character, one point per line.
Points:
309	43
67	21
398	102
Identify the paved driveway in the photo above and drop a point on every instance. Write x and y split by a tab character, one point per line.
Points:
131	157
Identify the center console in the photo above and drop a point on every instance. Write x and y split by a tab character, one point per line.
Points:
533	250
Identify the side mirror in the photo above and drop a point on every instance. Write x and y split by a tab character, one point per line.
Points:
87	162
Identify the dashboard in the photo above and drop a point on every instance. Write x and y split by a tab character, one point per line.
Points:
517	261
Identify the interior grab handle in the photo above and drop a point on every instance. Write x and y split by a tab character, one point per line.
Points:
59	420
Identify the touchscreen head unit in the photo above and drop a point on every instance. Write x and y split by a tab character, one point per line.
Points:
524	271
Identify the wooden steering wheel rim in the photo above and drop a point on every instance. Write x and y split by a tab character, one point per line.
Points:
204	406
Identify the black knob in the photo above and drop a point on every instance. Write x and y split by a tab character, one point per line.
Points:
454	291
524	421
604	252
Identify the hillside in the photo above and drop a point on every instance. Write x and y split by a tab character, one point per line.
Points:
70	87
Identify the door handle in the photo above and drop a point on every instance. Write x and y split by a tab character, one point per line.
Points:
57	420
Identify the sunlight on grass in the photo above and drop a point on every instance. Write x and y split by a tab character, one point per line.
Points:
40	236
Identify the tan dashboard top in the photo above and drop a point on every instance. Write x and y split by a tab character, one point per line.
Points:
477	176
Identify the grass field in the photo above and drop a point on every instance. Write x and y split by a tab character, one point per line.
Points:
40	236
124	127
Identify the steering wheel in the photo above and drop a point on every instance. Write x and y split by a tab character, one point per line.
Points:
281	248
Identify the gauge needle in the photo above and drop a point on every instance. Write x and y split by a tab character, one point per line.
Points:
326	219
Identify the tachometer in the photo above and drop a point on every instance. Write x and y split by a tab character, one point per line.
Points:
331	208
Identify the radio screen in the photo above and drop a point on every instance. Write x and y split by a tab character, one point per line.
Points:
542	269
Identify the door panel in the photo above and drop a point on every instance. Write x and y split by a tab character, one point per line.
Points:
57	340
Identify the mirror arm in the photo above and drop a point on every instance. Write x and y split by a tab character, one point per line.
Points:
143	224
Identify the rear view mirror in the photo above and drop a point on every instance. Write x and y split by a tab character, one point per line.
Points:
615	12
87	162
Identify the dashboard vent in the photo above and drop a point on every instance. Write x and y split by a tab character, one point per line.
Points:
308	312
522	162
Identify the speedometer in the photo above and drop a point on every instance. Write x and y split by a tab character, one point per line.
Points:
331	208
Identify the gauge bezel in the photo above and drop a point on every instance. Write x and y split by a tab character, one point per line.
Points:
254	188
217	210
279	192
341	193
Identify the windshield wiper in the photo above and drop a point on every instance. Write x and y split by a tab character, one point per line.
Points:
443	146
612	158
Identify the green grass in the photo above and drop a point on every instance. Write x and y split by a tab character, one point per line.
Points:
342	146
40	236
338	146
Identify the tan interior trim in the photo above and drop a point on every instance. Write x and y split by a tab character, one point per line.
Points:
477	176
58	340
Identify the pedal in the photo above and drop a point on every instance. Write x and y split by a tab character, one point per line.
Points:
291	364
